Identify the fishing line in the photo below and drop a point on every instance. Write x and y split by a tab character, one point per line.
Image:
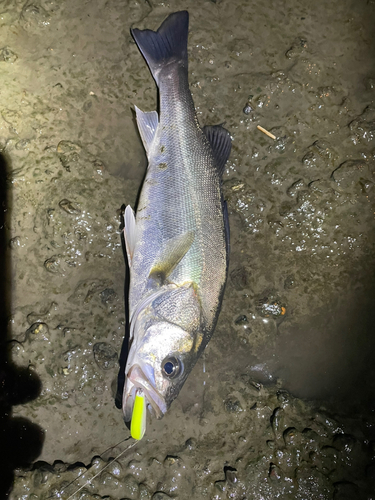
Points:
98	473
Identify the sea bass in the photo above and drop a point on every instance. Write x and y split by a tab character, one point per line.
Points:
178	243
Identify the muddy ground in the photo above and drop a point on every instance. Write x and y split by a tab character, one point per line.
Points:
282	405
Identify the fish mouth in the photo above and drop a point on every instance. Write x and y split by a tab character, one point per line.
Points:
136	379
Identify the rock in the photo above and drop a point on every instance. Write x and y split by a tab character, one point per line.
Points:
232	405
105	355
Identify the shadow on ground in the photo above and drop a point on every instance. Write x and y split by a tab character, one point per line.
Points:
21	440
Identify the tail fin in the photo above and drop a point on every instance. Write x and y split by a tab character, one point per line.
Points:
166	45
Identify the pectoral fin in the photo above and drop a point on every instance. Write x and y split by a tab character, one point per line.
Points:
172	253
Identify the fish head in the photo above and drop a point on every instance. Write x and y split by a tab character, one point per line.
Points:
159	366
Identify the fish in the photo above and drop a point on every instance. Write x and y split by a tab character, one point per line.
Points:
177	243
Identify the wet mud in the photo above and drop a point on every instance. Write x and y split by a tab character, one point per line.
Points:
282	403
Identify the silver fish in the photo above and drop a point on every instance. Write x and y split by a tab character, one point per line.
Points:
178	243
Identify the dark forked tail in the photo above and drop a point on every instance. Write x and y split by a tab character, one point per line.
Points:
166	45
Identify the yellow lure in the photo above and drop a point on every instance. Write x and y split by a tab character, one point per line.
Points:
138	422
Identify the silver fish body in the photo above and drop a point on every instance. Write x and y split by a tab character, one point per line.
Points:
178	243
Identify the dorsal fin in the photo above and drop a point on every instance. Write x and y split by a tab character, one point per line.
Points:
221	144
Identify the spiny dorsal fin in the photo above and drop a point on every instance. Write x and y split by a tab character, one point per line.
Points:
130	231
147	122
172	253
221	144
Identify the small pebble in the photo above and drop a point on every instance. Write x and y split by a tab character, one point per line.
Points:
271	444
248	108
66	147
220	485
257	385
282	396
15	242
191	443
38	329
241	320
276	417
289	282
53	264
171	460
230	475
289	436
274	472
68	207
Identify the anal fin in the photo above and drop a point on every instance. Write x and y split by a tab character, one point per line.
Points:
130	230
147	122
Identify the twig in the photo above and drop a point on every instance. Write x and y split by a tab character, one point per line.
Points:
266	132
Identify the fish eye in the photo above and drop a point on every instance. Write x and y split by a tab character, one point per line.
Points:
171	367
